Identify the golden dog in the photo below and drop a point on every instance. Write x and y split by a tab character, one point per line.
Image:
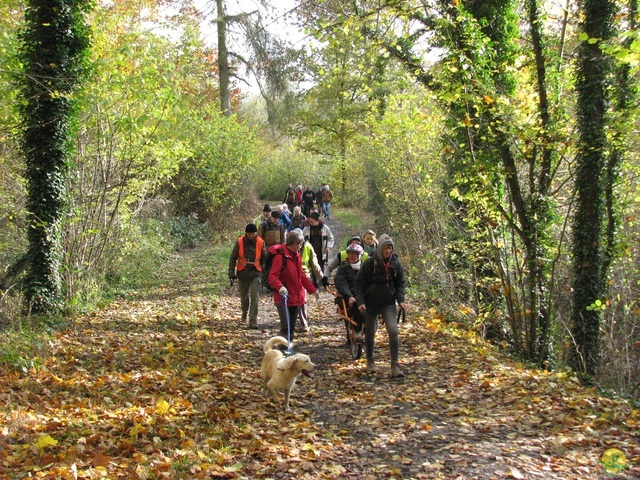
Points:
280	372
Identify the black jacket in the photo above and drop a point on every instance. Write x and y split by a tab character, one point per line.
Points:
345	280
376	287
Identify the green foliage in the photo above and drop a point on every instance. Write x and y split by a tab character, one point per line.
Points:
23	348
285	165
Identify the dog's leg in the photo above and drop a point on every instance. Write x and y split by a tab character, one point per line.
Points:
274	394
287	393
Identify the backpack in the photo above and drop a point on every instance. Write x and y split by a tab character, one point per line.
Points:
269	260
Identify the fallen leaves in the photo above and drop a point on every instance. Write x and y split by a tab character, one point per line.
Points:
169	388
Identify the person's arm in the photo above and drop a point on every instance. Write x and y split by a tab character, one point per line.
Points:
315	266
274	274
398	283
361	281
332	265
233	259
329	238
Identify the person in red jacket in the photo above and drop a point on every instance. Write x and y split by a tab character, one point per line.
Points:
289	281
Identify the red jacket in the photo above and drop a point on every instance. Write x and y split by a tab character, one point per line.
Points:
292	277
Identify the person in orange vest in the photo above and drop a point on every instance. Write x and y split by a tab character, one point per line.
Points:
245	265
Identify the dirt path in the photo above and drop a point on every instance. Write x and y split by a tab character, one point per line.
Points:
165	384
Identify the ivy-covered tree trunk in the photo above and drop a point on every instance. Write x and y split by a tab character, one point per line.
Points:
588	255
54	46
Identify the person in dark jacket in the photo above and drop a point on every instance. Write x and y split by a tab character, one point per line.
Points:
308	199
288	280
345	281
379	285
245	265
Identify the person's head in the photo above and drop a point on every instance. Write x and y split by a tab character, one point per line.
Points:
354	239
309	188
354	253
385	246
314	218
251	231
266	210
275	217
296	211
299	187
285	207
295	240
369	237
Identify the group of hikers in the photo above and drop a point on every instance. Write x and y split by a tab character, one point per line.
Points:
288	254
306	198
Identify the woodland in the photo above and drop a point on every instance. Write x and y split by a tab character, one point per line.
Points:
494	140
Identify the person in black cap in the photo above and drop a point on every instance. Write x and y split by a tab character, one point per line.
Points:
272	232
264	216
246	264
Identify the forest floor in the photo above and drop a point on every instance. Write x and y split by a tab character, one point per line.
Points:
165	383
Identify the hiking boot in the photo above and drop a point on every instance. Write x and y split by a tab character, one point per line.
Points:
253	325
371	365
395	370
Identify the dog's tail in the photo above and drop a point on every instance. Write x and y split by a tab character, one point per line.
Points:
274	342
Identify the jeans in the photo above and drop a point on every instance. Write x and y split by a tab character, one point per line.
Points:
326	208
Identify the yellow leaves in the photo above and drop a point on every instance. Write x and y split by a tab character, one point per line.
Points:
162	407
45	441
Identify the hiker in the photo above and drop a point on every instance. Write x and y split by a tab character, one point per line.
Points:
319	235
379	285
290	197
245	265
285	220
327	196
289	282
311	268
341	259
299	193
272	232
369	242
297	219
308	199
264	216
345	285
319	198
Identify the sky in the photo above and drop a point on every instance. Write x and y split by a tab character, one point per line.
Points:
274	20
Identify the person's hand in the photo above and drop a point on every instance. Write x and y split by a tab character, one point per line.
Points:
324	281
283	291
403	306
362	308
233	277
351	301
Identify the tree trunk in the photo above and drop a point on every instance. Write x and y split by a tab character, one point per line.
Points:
589	276
223	59
53	52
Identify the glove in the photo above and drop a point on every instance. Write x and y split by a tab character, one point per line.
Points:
233	277
324	281
283	291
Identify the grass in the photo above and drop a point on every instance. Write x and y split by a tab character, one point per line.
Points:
354	220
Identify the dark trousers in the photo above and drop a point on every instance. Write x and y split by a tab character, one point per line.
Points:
286	329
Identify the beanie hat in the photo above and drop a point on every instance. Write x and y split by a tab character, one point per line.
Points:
266	208
382	241
250	228
315	215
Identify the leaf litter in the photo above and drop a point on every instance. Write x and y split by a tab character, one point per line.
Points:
165	384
